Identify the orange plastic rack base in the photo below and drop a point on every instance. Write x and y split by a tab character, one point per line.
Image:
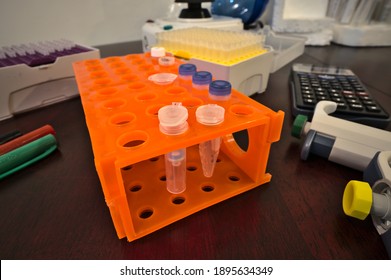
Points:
121	106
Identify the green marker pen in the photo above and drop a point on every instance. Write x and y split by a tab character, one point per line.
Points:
19	158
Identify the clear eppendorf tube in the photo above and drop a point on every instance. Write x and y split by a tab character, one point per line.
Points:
210	115
175	162
173	121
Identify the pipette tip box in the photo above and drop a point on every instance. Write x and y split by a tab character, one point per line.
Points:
235	56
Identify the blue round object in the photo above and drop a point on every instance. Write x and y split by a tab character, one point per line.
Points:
247	10
187	69
202	78
220	88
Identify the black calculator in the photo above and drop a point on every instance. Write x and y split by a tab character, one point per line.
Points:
311	84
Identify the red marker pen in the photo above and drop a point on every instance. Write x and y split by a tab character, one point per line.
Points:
26	138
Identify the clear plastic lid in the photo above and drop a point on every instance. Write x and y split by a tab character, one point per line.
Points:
162	78
173	119
202	78
158	51
210	114
220	90
166	61
187	69
177	155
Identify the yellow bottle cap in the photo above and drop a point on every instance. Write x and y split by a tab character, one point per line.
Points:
357	199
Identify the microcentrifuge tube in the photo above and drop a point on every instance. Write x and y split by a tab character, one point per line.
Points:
175	163
210	115
173	121
209	151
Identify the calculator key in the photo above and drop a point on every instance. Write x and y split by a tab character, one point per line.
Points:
356	107
358	88
315	85
365	98
369	103
337	99
307	91
320	94
373	108
349	96
341	106
309	101
347	88
335	85
361	93
353	101
334	91
335	95
320	91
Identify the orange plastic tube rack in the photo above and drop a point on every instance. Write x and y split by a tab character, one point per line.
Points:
121	106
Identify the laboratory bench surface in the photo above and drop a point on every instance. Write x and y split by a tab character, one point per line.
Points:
55	208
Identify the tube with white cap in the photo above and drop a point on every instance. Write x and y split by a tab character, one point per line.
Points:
173	121
209	115
157	52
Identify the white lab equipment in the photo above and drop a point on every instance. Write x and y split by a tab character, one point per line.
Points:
341	141
372	196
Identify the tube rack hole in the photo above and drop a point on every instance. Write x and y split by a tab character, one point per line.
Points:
208	188
114	103
234	178
146	213
242	110
178	200
176	90
122	119
126	168
133	139
192	168
136	188
163	178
